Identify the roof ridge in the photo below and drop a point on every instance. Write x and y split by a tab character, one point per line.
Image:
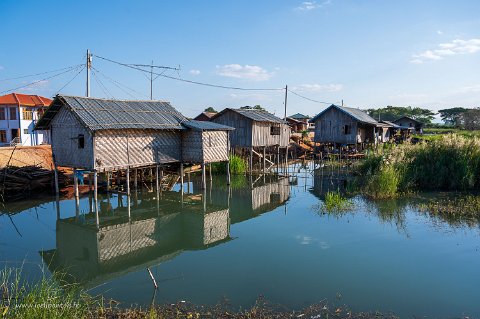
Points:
107	99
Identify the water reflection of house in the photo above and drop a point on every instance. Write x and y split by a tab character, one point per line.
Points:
120	245
328	180
146	234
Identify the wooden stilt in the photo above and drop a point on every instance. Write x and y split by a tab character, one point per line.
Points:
119	173
95	197
278	158
161	179
127	183
90	182
210	170
75	183
264	159
108	176
135	178
188	182
157	182
228	172
181	176
286	161
204	185
251	160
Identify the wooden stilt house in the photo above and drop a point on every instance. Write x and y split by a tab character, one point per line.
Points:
105	135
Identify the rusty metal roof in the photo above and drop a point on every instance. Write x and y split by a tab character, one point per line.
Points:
357	114
254	114
103	114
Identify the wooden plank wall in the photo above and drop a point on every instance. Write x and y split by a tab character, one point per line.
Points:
214	146
192	146
329	128
65	129
242	135
262	136
145	147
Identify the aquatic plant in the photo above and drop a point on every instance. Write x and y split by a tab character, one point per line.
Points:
335	202
238	166
459	210
383	183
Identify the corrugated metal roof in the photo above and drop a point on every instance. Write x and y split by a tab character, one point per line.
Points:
102	114
299	116
255	115
206	126
357	114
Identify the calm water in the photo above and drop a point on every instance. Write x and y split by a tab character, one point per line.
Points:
270	239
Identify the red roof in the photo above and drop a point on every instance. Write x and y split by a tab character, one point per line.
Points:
24	99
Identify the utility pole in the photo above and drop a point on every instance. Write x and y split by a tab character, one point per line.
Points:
152	66
342	102
89	65
286	95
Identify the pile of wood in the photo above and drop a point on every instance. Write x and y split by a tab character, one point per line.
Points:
18	182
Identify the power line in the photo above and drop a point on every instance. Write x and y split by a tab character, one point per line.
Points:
74	77
41	73
101	85
38	81
309	99
190	81
118	84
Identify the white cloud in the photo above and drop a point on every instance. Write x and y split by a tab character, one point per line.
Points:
249	72
194	72
310	5
439	32
455	47
469	89
37	85
318	87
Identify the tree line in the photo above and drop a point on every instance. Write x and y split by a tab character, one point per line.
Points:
460	117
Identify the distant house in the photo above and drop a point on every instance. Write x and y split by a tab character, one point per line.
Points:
348	126
254	128
296	125
107	135
18	115
302	118
204	116
406	121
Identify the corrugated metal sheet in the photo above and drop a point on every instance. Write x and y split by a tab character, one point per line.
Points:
101	114
206	126
255	115
359	115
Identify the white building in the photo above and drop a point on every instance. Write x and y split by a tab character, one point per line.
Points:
18	115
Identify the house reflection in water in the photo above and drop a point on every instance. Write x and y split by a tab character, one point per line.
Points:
149	232
330	180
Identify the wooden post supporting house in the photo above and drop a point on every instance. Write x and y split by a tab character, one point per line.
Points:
204	182
210	171
157	182
135	178
264	159
228	158
160	181
95	197
286	161
278	158
188	182
128	182
75	183
181	176
251	160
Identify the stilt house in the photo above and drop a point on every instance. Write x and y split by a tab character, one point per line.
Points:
414	125
106	135
349	126
254	128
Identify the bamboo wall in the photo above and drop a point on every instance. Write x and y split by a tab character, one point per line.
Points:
330	128
204	146
121	148
65	129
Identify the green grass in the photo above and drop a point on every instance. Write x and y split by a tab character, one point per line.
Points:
459	210
50	297
335	203
238	166
450	163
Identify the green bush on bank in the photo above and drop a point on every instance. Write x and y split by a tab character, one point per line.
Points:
451	163
238	166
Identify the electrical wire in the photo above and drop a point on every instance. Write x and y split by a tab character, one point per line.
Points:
38	81
309	99
101	85
81	69
190	81
119	85
41	73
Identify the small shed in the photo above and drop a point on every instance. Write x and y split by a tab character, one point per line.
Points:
345	125
409	122
254	128
296	125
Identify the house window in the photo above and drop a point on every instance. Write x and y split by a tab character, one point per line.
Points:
210	144
2	113
25	131
274	130
81	141
347	129
13	113
3	136
27	114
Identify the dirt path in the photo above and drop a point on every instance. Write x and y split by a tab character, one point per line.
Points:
27	156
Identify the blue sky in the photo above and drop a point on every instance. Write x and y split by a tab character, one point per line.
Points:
368	53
